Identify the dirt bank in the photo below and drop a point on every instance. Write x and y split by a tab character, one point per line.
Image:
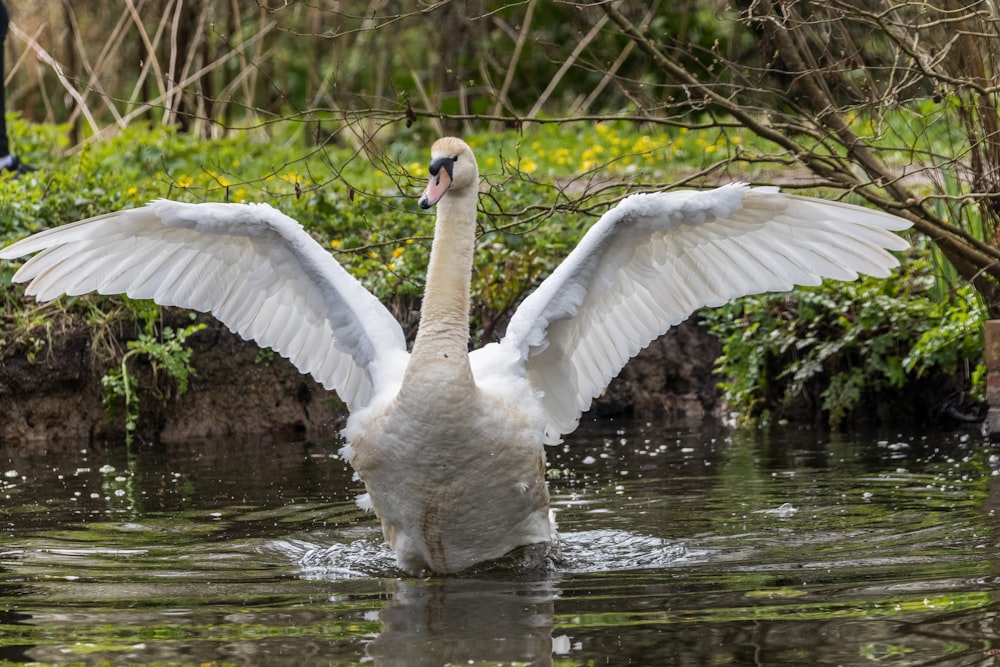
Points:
232	391
236	390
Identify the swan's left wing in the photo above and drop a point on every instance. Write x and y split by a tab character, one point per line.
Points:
650	262
250	265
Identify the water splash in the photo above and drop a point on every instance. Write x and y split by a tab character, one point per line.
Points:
582	551
359	559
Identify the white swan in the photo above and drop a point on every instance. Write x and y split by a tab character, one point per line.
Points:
449	444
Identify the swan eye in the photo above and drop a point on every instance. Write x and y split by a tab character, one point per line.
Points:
446	162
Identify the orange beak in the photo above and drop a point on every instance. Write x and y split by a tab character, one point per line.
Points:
441	171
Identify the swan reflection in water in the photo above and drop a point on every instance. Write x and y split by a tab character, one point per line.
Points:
452	620
503	613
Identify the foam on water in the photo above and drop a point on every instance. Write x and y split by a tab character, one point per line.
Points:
583	551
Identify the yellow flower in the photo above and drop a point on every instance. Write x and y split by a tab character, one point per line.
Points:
589	156
372	254
336	243
132	190
223	181
397	252
184	181
643	144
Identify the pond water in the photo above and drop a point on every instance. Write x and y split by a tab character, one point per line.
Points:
679	547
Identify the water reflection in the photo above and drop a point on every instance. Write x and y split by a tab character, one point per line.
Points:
678	547
503	614
460	620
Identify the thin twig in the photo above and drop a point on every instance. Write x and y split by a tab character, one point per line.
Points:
44	56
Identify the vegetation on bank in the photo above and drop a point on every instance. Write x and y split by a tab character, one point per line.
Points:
850	344
846	341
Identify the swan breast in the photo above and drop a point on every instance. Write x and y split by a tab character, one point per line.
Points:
465	463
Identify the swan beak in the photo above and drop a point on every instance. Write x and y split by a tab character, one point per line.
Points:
441	172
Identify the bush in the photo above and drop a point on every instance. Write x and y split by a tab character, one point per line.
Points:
847	342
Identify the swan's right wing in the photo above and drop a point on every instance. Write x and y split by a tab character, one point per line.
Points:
649	263
251	266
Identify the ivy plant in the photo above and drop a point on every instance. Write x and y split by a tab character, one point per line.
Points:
846	340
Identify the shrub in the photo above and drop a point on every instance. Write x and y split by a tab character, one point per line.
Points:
846	342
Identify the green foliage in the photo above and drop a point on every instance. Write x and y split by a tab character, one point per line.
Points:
167	352
847	341
264	357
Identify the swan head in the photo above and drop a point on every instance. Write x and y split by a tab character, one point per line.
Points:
453	169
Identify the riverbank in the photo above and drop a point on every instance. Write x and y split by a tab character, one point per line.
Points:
235	390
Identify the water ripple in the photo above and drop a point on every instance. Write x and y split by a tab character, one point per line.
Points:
608	550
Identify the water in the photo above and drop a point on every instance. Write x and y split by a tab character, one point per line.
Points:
679	547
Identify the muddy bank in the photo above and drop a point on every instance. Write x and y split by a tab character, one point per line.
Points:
233	391
236	390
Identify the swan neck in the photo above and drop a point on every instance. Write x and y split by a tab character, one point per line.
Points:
444	313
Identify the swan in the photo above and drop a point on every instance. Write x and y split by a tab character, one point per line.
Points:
450	445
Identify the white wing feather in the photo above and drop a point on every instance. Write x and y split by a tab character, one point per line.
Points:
251	266
650	262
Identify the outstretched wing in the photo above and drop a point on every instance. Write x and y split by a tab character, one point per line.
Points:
250	265
650	262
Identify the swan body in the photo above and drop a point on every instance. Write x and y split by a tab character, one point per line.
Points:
450	444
